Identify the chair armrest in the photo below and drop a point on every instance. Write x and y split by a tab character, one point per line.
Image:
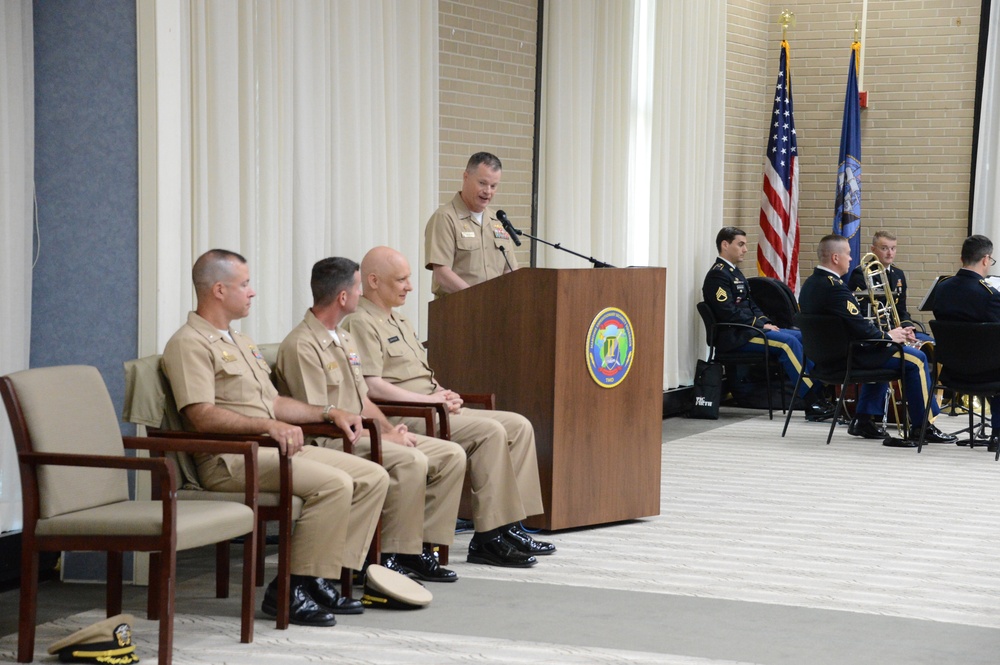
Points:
202	445
444	429
486	400
858	343
334	432
164	475
757	331
412	410
218	438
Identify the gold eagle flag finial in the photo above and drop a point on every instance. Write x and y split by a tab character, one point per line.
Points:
786	20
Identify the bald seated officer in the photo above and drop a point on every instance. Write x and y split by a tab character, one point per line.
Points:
464	241
318	364
222	384
500	445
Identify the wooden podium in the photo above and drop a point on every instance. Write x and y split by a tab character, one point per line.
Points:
524	336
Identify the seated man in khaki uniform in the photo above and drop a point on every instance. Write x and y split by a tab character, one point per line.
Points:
500	444
318	364
222	384
464	241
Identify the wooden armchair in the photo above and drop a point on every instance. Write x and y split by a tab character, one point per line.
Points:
442	431
149	401
74	479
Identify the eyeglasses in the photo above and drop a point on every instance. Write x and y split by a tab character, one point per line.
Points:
993	261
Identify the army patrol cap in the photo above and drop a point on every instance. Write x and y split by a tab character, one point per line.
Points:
107	641
389	590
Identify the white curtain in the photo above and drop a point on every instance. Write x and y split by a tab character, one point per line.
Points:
312	129
985	208
17	167
632	146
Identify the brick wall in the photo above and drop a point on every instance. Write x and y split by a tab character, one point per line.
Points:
919	69
487	97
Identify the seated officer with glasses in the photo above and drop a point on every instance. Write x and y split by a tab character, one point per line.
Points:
967	296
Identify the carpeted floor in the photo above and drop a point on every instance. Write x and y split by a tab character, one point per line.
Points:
768	550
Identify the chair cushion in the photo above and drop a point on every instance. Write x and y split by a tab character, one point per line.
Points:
198	522
264	499
68	410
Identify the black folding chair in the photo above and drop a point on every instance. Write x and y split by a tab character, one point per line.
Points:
970	366
827	343
740	358
775	298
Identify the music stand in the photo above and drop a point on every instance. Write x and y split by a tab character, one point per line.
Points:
927	304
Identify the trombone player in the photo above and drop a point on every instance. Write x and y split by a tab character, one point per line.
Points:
967	296
884	248
826	293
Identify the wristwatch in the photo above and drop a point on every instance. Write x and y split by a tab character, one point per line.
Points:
326	413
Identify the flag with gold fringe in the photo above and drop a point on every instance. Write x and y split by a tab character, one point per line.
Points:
847	209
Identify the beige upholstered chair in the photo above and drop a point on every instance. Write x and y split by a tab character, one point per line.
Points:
74	479
149	401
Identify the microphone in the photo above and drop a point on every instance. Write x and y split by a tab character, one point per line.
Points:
509	228
504	252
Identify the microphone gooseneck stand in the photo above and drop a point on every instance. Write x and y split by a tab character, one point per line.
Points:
515	232
596	262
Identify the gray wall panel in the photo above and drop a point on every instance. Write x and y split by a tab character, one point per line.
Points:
84	293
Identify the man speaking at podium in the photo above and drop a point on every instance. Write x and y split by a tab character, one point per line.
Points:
465	242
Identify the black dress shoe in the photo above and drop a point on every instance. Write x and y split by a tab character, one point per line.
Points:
894	442
422	566
327	597
498	552
523	541
866	429
993	444
303	610
932	435
820	410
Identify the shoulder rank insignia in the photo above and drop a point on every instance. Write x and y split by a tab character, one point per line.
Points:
721	295
852	309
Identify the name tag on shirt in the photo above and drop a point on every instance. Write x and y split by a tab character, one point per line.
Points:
468	234
394	338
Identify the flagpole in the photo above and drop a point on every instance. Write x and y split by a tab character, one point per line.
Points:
864	29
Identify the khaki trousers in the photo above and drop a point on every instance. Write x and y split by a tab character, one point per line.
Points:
503	465
342	497
425	487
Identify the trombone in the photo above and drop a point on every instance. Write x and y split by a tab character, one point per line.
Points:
885	315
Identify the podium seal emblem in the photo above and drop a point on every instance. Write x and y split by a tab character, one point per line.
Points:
610	347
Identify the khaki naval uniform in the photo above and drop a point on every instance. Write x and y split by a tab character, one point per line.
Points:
425	482
500	444
454	239
342	493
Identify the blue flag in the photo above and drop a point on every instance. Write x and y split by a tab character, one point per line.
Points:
847	210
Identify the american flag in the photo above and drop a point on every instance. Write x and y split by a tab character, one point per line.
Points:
778	246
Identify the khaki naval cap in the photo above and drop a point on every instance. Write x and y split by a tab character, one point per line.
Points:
389	590
107	641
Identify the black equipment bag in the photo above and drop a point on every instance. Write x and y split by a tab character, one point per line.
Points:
707	390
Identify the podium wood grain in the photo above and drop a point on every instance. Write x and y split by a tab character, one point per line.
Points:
523	336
